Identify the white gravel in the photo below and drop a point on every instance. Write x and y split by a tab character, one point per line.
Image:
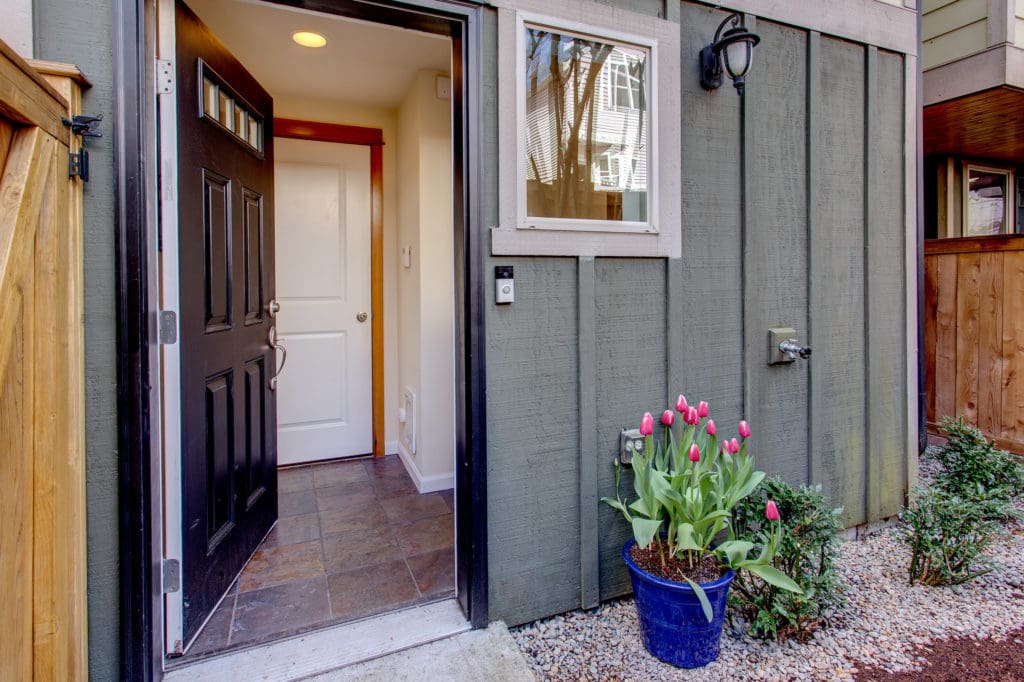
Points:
884	621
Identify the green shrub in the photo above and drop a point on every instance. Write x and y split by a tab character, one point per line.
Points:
947	535
972	467
807	553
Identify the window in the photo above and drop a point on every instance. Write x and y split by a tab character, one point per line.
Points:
987	201
581	158
222	106
587	131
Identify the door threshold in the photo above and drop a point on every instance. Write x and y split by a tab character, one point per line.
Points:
331	648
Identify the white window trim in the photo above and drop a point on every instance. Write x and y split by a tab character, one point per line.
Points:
1009	199
517	235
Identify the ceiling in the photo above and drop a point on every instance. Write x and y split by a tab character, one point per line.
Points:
362	63
983	125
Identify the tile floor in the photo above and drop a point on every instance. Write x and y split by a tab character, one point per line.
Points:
353	539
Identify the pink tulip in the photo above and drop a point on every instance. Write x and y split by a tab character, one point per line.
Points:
702	409
682	407
694	453
712	429
771	511
647	424
734	446
667	417
691	416
744	429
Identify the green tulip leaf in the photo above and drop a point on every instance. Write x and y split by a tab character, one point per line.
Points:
704	603
644	530
735	550
774	576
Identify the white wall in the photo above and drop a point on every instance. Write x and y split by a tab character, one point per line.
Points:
385	119
426	295
16	25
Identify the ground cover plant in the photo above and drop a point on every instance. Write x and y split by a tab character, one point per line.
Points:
971	466
807	553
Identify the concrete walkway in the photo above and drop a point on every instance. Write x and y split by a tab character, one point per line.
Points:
489	654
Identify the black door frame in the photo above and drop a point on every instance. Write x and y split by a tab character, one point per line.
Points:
136	199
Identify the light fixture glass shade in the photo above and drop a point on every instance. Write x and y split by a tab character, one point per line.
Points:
309	39
737	56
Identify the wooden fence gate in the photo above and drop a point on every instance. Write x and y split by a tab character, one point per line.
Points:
974	335
42	442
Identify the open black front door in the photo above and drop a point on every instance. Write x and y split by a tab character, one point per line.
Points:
226	242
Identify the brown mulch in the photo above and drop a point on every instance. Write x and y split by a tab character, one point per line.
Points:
704	570
961	659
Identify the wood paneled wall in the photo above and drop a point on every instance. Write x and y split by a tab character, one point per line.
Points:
42	441
974	335
793	214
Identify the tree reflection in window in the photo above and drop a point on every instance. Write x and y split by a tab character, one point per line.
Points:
587	123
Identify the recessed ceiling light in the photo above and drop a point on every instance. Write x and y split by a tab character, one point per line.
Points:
309	39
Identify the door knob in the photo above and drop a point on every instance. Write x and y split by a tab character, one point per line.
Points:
361	317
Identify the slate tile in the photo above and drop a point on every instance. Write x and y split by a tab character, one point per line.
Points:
358	517
349	551
293	480
434	572
426	535
293	504
339	473
371	590
214	635
449	498
411	508
280	610
386	467
350	497
277	565
291	530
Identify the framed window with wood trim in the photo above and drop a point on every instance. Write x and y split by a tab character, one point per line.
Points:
988	205
579	164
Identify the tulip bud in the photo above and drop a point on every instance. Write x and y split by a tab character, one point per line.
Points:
691	416
771	511
667	417
734	446
702	409
694	453
712	429
682	407
647	424
744	429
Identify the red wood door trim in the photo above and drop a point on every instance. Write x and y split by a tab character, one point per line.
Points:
374	138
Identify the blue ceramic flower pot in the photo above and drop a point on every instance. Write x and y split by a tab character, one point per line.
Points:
672	621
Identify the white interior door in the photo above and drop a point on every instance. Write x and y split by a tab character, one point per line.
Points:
322	194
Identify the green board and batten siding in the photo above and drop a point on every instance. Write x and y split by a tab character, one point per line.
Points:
817	243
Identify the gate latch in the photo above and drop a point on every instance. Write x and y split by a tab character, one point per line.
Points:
84	126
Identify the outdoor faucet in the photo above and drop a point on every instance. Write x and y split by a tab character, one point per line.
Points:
792	348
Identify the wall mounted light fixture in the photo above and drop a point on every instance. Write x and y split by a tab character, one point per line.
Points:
735	47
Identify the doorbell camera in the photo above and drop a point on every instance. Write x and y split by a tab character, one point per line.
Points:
504	284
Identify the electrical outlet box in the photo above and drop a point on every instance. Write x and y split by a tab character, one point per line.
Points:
777	335
504	284
630	443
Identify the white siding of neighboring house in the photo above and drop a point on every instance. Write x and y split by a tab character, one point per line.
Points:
1019	19
953	29
16	25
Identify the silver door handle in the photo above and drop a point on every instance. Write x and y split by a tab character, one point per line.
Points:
273	308
361	317
275	346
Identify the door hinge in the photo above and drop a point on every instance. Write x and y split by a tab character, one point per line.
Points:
172	575
78	164
168	327
164	76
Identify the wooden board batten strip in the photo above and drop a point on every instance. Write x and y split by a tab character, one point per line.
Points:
815	472
871	480
746	181
886	268
836	297
590	567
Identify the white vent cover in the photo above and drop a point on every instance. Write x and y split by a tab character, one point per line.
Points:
409	424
